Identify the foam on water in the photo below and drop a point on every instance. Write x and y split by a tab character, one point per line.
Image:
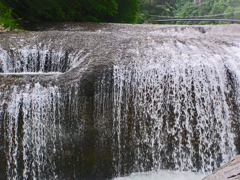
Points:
164	175
31	74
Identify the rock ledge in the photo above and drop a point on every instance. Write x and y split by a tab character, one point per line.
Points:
2	30
230	170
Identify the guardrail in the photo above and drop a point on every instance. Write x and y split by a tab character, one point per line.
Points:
198	19
214	17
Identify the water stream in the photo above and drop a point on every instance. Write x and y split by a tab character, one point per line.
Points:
100	101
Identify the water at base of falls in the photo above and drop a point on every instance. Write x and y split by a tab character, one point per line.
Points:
164	175
107	100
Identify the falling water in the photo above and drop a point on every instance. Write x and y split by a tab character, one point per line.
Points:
110	103
178	116
30	128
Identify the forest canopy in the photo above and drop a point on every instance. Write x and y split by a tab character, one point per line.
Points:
73	10
119	11
151	9
208	7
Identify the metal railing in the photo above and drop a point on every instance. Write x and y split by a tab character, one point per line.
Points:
214	17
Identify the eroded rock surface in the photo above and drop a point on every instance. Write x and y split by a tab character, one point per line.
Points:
230	170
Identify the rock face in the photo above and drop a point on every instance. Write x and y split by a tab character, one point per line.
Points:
230	170
96	101
2	30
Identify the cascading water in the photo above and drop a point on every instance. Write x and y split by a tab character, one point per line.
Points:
30	131
126	99
178	117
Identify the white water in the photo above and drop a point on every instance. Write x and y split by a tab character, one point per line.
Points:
38	126
164	175
173	105
174	98
31	74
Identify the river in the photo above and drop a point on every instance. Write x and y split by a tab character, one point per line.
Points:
105	101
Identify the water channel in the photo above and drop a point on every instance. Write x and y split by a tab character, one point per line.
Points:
106	101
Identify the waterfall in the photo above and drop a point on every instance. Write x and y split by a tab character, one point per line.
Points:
178	117
167	98
30	131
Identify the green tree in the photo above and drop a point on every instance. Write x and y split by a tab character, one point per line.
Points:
140	18
126	12
186	8
6	17
156	7
75	10
204	8
219	7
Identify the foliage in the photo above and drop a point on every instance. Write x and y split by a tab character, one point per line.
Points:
186	8
123	11
127	11
6	17
156	7
76	10
152	20
219	7
141	18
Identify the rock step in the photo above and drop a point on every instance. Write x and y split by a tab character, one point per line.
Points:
229	171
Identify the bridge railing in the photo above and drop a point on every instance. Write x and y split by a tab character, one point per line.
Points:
224	16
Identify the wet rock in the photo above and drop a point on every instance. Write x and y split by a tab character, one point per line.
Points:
1	27
230	170
2	30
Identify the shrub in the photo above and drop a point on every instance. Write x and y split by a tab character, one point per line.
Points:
6	17
140	19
